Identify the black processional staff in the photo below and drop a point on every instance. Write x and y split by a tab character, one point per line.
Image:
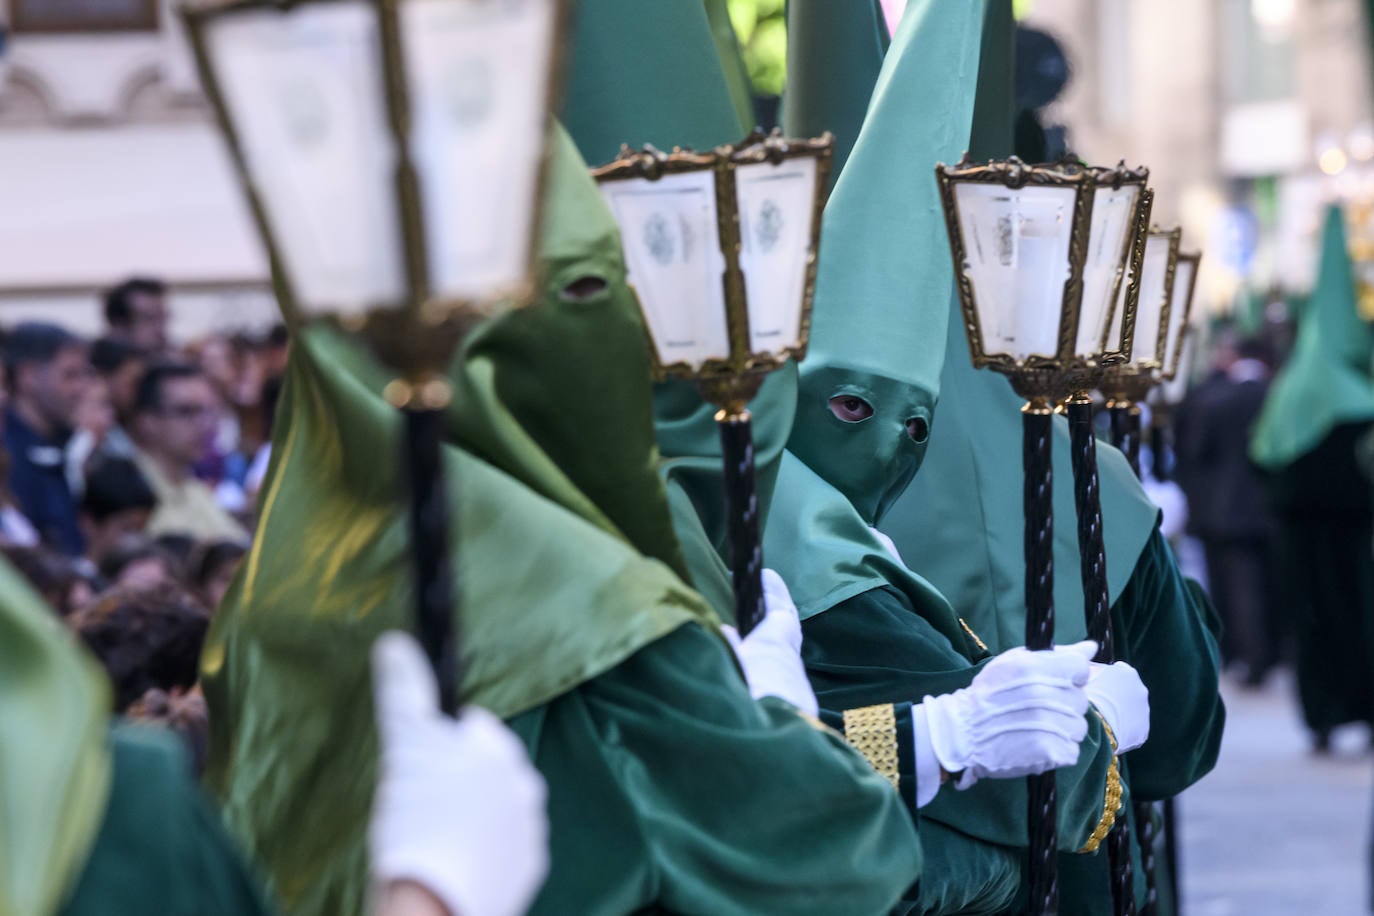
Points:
1030	280
381	251
726	295
1107	323
1169	277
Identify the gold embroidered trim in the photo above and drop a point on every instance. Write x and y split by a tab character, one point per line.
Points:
1111	803
872	731
972	635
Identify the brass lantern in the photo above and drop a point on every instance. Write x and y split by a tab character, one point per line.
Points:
721	250
390	151
1131	381
1180	312
1040	253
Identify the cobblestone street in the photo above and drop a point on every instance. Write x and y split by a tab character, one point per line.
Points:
1274	830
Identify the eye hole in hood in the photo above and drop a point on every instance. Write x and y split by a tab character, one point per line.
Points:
918	428
850	408
583	289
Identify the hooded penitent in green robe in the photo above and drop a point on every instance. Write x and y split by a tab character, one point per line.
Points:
95	821
1326	382
1319	408
960	525
669	788
878	638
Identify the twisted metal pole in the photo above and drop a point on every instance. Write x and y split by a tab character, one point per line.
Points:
429	539
1126	434
742	515
1038	500
1097	606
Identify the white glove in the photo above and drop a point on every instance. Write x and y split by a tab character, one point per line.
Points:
771	654
1023	714
1122	698
458	809
890	547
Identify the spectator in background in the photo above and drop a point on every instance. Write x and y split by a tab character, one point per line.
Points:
175	415
46	372
53	576
121	366
146	638
213	566
118	502
136	312
137	560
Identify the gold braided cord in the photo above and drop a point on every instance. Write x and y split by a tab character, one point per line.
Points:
974	636
1111	803
872	731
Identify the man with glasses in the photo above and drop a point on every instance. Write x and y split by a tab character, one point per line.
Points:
175	412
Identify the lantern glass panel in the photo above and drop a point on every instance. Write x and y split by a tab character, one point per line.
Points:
303	91
1150	310
671	239
1184	274
477	75
777	209
1114	211
1016	244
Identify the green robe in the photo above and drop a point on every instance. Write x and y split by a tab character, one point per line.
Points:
161	847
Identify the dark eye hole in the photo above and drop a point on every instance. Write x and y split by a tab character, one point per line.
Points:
582	289
850	409
918	429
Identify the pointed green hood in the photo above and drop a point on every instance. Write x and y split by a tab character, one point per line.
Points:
646	73
883	266
614	98
54	764
960	522
555	501
834	53
1326	382
884	280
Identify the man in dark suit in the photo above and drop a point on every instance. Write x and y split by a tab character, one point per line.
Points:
1226	505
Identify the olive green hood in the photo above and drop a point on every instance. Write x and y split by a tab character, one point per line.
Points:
562	546
54	763
960	523
1326	382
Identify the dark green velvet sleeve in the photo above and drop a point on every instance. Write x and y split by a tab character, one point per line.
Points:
873	649
1168	640
670	790
161	847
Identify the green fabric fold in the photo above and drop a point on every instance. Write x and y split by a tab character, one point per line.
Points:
54	763
1326	382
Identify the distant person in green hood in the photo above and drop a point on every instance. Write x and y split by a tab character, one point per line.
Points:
670	789
1319	408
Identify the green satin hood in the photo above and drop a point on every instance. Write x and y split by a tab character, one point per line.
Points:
960	523
54	763
834	53
555	585
1326	382
884	279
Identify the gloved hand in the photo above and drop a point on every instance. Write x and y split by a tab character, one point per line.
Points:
459	808
1023	714
771	654
1122	698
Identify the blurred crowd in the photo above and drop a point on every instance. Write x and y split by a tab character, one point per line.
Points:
130	474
